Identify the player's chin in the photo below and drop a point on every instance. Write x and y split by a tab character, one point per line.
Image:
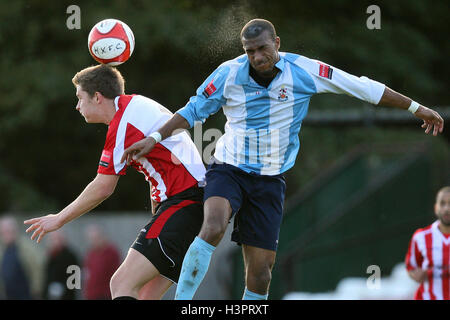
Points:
445	220
88	120
263	68
266	70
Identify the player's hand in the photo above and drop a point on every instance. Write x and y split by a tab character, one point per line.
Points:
419	275
137	150
430	119
43	225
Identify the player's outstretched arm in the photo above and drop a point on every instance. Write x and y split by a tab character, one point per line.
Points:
430	117
95	193
146	145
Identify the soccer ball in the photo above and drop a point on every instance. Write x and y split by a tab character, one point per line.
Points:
111	42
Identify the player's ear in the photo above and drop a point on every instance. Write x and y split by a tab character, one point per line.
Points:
98	97
278	43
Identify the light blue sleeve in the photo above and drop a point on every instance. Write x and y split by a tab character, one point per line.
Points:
208	99
333	80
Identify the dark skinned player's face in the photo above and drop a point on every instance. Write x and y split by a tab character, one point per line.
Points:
262	53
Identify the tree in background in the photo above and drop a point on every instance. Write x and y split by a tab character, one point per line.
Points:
177	45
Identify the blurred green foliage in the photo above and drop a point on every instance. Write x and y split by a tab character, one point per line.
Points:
47	152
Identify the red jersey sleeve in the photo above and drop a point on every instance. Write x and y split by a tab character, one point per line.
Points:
414	258
121	134
107	159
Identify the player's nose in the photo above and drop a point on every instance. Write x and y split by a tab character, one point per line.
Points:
258	58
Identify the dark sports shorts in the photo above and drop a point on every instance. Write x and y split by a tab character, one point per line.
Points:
166	238
257	200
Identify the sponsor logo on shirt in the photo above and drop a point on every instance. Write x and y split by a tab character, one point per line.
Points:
254	93
209	90
105	158
325	71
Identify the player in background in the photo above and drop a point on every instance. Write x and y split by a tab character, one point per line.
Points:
173	168
428	257
264	95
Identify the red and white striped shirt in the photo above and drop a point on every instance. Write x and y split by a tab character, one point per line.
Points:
429	250
173	165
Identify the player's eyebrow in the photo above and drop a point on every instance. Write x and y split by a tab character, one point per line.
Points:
251	49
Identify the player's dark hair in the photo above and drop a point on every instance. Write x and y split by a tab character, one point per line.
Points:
255	27
101	78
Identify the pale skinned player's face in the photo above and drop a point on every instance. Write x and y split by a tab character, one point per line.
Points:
262	53
442	208
87	106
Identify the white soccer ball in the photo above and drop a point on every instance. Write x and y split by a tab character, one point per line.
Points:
111	42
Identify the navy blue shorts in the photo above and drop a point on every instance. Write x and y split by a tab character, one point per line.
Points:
257	201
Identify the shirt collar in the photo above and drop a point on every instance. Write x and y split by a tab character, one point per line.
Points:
116	103
243	74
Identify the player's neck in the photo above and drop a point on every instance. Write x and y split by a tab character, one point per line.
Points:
263	80
109	110
443	228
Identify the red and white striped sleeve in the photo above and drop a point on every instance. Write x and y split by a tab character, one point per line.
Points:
106	164
120	135
414	257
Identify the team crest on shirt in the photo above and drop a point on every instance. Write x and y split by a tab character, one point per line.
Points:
282	94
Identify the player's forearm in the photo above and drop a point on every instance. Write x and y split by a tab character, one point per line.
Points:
394	99
94	194
432	121
173	125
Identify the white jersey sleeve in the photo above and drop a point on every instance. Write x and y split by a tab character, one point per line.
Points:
329	79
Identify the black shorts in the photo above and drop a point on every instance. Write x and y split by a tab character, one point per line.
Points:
166	238
257	200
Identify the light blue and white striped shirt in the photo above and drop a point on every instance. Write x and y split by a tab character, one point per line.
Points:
261	132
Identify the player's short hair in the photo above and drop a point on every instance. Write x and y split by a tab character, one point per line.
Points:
101	78
255	27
